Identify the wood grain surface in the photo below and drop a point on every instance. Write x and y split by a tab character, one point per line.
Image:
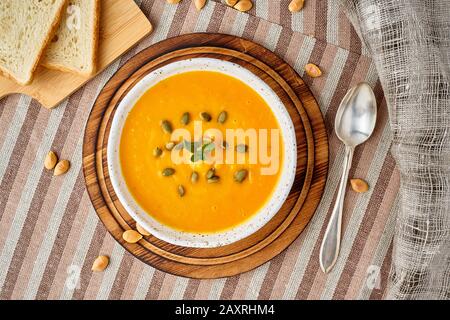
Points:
122	25
303	199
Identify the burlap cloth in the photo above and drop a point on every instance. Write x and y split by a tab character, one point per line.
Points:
410	43
49	232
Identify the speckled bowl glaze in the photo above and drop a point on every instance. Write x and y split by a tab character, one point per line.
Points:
259	219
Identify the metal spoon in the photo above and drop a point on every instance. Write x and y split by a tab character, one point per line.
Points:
354	123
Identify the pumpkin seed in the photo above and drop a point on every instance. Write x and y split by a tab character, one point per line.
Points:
194	177
170	145
243	5
213	179
205	116
50	160
223	116
131	236
296	5
231	2
141	230
166	126
359	185
312	70
62	167
157	152
241	148
167	172
181	191
239	176
211	172
199	4
100	263
185	118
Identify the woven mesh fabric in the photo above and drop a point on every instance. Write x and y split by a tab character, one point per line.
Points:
410	44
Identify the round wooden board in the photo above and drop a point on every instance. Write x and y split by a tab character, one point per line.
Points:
312	158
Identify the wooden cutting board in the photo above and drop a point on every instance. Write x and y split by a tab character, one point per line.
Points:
310	176
122	25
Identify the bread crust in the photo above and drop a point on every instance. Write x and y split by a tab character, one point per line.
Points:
95	42
53	28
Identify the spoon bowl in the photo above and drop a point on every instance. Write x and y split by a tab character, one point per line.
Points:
356	116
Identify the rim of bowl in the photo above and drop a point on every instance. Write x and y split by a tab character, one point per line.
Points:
249	226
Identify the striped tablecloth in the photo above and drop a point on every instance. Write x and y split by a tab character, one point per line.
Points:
49	232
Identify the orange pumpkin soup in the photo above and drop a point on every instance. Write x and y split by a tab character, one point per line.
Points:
197	195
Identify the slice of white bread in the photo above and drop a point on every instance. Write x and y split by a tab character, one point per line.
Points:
26	27
74	47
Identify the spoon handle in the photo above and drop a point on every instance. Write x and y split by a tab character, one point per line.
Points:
329	249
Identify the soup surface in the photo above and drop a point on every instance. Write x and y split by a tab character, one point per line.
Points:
202	205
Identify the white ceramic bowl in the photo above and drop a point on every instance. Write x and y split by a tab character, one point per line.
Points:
211	239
